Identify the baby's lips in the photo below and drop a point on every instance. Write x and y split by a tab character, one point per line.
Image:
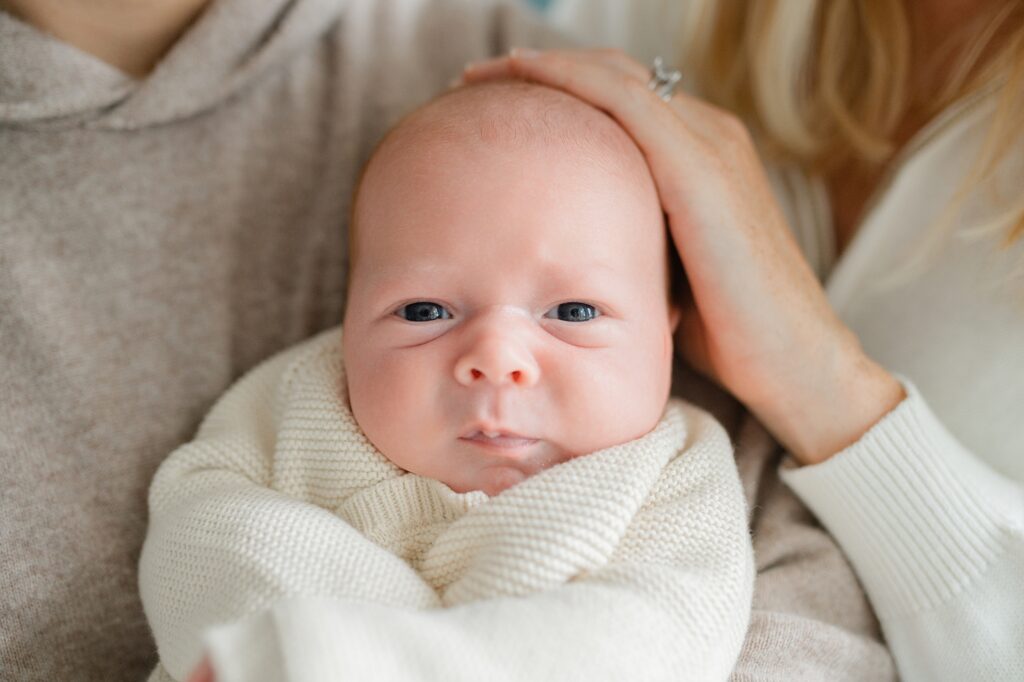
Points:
491	430
502	440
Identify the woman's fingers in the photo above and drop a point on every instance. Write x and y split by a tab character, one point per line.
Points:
601	77
509	66
612	82
619	59
488	69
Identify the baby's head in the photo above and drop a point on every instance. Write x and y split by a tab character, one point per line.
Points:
508	306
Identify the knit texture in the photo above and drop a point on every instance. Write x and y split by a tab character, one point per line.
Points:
642	545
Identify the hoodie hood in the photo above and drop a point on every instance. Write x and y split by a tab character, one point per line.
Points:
44	81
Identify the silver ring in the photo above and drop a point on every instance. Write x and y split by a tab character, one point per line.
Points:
663	80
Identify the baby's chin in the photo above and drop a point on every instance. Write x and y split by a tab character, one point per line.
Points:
491	480
495	478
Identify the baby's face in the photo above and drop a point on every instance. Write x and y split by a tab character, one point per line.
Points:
507	308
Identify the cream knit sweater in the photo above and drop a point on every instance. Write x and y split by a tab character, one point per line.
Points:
630	563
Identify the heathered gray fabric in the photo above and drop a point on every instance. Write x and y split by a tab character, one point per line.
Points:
159	237
811	620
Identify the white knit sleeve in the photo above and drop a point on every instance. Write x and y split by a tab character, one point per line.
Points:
937	538
673	604
222	543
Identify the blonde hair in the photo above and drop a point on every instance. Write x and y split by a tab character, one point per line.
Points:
823	82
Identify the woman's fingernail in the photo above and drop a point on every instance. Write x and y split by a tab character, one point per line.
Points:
523	53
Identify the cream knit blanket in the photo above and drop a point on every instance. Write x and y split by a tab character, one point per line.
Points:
632	563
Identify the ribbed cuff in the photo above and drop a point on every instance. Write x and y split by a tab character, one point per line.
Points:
919	517
247	650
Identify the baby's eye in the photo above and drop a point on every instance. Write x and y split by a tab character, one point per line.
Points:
573	312
423	311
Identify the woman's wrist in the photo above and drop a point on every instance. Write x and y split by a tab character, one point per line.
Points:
834	410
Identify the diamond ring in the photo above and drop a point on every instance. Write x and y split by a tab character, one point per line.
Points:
663	80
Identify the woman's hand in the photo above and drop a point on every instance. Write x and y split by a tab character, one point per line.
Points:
759	323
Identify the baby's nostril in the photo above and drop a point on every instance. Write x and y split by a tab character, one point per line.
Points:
515	375
477	374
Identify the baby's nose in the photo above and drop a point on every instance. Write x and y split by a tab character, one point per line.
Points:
497	359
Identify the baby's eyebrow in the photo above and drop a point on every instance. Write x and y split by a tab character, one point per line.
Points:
593	269
405	271
554	274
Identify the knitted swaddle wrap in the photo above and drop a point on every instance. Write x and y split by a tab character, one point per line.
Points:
281	495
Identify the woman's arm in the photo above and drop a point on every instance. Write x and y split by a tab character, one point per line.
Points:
761	326
937	538
759	323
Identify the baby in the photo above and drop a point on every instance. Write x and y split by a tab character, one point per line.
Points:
484	478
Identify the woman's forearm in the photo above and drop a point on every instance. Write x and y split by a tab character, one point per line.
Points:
830	408
937	538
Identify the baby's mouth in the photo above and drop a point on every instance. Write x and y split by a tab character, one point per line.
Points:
499	439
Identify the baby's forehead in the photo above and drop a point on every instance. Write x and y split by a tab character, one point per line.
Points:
514	115
507	168
509	145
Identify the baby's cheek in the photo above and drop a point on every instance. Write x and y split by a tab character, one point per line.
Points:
381	404
627	402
